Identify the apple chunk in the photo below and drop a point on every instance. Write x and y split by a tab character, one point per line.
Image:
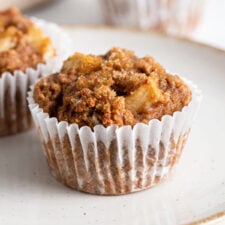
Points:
82	63
147	93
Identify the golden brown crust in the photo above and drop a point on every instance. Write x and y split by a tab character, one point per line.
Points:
117	88
22	44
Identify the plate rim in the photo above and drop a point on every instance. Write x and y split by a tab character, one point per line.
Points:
212	218
68	26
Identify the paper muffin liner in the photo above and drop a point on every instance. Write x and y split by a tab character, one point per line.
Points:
114	160
14	113
172	16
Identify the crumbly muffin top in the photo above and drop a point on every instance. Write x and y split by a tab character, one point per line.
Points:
22	44
116	88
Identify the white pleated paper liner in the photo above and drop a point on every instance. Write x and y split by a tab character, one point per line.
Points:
114	160
14	113
174	16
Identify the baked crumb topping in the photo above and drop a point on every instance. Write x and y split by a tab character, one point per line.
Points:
116	88
22	44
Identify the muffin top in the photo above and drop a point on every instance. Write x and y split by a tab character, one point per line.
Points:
22	44
115	88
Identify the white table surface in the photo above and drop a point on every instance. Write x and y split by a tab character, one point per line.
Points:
211	30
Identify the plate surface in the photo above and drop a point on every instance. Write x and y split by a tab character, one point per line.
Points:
194	192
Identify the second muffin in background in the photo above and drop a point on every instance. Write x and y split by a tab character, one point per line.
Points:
29	49
176	17
129	120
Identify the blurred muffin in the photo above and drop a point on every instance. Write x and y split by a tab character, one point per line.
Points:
171	16
22	4
25	55
112	124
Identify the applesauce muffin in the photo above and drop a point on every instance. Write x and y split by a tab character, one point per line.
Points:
25	54
114	123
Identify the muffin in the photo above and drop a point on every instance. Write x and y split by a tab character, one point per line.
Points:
171	16
112	124
29	48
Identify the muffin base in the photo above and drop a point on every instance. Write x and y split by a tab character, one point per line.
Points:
11	127
17	117
114	160
104	177
113	194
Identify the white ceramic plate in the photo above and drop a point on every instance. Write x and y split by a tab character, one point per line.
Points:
194	192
